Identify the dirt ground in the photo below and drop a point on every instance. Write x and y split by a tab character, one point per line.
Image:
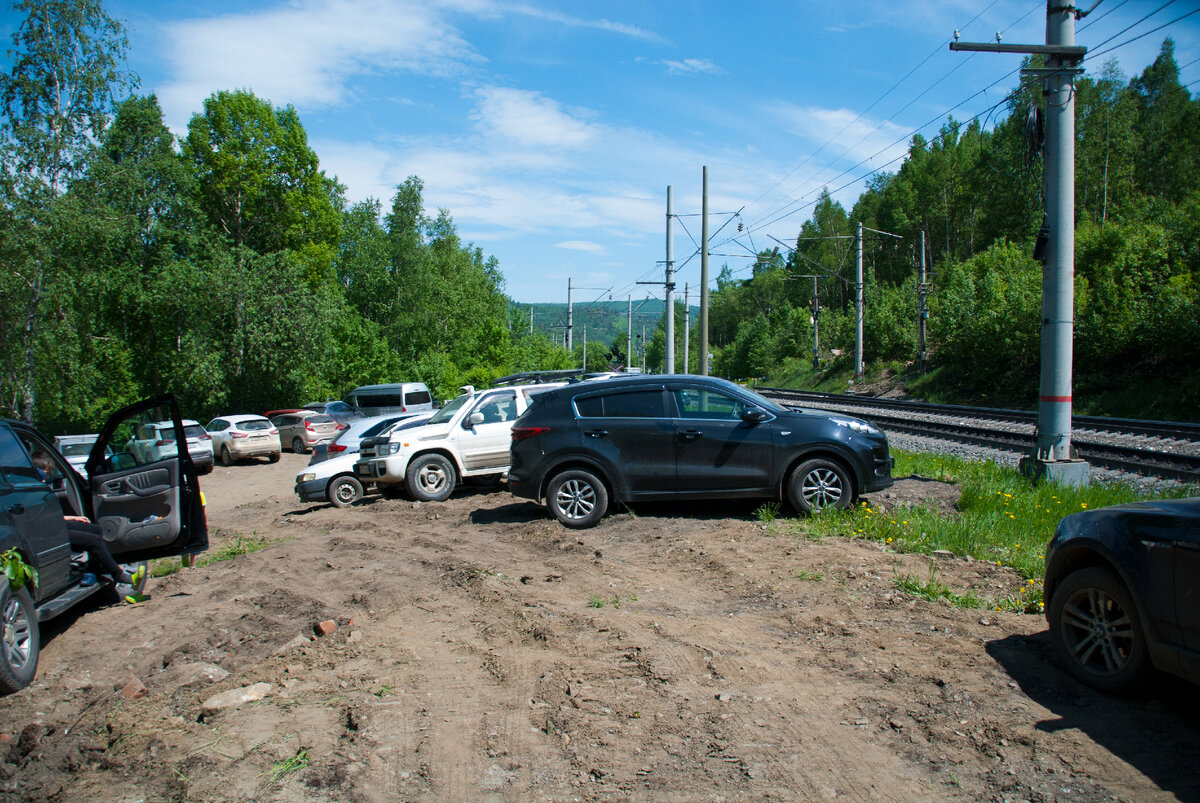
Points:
485	653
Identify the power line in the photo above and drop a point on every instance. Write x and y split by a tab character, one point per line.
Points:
1142	36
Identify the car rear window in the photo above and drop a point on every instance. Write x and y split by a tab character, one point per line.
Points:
253	426
194	431
75	449
636	404
418	397
321	418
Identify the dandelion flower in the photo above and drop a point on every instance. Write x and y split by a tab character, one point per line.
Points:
1083	504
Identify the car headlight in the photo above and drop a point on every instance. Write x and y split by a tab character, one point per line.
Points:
306	477
856	425
393	447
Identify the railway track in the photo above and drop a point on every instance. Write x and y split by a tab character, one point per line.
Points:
1166	449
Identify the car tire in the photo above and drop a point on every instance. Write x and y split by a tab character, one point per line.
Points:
1097	631
226	457
298	446
819	485
431	478
344	491
577	498
21	640
273	457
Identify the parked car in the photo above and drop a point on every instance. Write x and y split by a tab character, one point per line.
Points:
396	397
585	445
146	510
468	438
1122	591
302	430
236	437
340	411
347	442
76	449
155	440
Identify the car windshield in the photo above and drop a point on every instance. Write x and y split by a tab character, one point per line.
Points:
447	412
253	426
765	403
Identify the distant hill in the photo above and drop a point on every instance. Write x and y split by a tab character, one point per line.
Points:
604	320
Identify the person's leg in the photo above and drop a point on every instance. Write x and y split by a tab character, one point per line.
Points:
90	537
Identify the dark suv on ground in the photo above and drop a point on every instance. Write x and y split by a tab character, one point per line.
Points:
148	506
687	437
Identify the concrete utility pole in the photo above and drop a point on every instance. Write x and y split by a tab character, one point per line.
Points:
531	320
643	348
629	336
585	347
816	316
858	303
687	325
569	318
922	310
1053	458
670	283
704	277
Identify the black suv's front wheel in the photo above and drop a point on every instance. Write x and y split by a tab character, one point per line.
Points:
577	498
818	485
21	641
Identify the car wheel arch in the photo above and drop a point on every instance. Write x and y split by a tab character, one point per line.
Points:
1092	555
819	453
583	465
446	453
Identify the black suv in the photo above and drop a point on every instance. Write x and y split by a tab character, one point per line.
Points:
145	509
687	437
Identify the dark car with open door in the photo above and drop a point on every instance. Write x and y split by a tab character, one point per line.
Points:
145	509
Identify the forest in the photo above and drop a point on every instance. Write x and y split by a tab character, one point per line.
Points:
226	267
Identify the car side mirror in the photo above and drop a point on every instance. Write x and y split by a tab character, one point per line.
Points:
755	415
120	461
472	420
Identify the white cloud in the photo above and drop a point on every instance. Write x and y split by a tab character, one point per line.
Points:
692	67
583	245
851	136
529	119
306	52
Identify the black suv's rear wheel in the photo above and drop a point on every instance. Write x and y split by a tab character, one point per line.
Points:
1097	631
818	485
21	639
577	498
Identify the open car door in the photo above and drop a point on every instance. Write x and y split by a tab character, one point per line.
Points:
147	509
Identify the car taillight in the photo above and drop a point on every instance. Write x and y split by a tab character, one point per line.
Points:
335	447
239	434
273	431
308	425
206	437
522	433
164	442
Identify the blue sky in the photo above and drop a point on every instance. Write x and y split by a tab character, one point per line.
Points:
551	131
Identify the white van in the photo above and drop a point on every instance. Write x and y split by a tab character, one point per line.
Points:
397	397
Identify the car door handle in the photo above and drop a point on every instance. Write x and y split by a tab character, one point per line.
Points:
16	509
596	433
691	435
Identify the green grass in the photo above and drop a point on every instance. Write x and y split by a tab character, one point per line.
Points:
229	549
281	769
934	589
805	574
1003	517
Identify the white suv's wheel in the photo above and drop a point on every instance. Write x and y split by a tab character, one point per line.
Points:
431	478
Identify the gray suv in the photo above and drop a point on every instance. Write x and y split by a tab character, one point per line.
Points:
687	437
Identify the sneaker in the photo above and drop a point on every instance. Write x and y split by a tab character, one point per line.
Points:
135	579
135	598
88	579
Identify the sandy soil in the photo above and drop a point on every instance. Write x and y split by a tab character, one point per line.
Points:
483	652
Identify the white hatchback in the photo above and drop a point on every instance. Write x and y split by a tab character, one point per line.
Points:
235	437
156	441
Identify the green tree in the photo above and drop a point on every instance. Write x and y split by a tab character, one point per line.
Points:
66	68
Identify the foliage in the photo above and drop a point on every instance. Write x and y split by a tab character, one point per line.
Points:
17	570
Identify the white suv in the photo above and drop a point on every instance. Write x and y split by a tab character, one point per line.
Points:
155	441
469	437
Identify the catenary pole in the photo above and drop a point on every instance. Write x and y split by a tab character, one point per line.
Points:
922	312
569	317
669	325
629	336
704	275
687	325
858	303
